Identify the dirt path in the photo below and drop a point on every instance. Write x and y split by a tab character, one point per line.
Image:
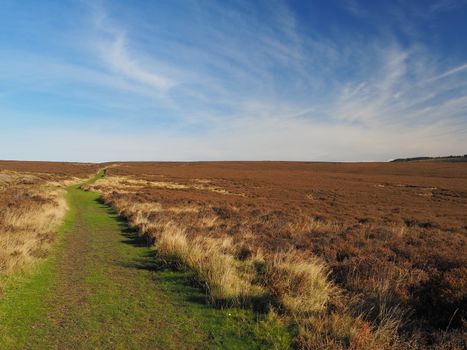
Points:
102	288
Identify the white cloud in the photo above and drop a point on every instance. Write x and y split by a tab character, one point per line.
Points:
459	69
117	55
113	48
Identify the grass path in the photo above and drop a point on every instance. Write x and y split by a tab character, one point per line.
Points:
102	288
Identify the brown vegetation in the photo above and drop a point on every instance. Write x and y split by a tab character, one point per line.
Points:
52	168
359	256
32	205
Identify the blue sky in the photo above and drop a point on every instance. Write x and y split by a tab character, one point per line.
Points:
344	80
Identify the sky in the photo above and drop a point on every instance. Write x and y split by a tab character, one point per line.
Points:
325	80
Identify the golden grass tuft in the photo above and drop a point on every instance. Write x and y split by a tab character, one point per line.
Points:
298	286
172	247
215	269
219	273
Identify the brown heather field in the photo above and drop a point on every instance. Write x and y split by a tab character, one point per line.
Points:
355	256
32	206
61	169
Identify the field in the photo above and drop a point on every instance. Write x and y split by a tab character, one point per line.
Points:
32	206
386	242
316	255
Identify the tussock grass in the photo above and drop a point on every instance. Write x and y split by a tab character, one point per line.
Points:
219	273
30	212
298	286
215	269
334	331
172	246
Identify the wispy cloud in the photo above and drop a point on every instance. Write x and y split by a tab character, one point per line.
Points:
240	81
114	49
459	69
446	5
355	8
118	57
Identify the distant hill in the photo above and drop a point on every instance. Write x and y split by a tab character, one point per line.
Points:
436	159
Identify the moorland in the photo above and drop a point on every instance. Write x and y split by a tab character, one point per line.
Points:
324	255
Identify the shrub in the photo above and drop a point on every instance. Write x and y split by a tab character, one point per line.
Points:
446	294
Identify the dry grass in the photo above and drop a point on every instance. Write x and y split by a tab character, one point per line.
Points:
216	270
219	272
296	285
334	331
108	184
31	209
303	224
